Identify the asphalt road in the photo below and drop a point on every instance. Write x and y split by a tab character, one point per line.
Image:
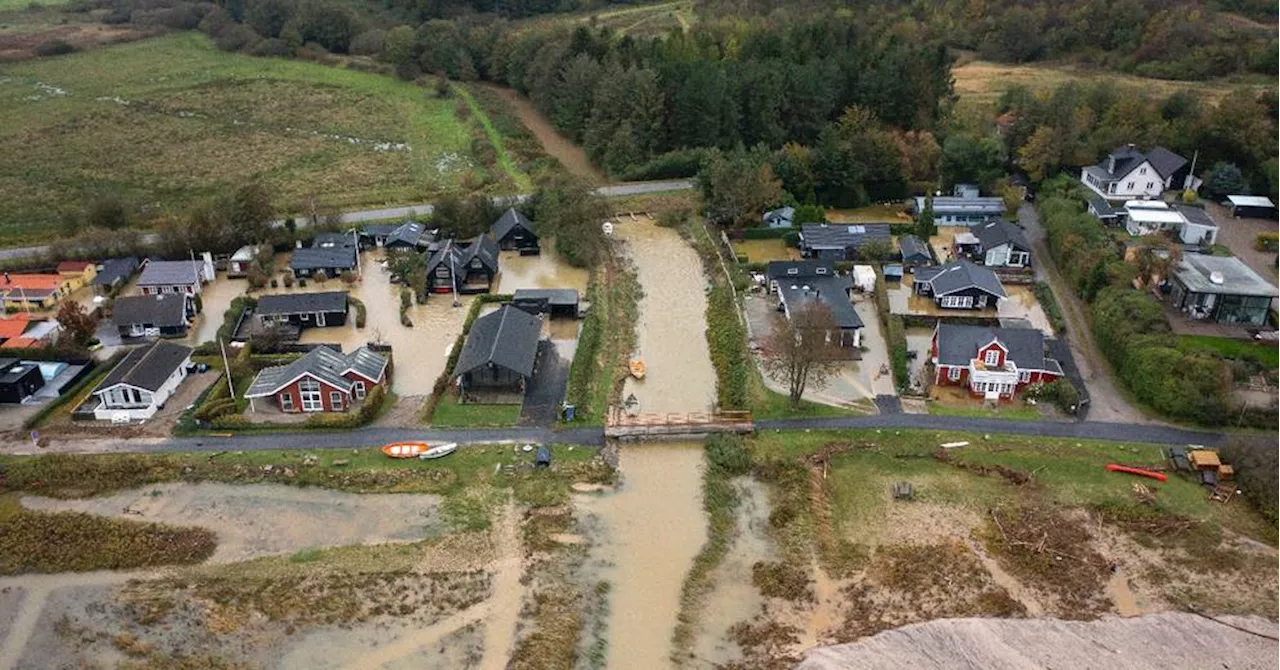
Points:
593	436
401	211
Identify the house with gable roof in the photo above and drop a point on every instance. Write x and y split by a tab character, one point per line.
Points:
991	362
959	285
1130	174
322	380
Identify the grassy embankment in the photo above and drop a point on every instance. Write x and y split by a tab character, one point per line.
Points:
166	122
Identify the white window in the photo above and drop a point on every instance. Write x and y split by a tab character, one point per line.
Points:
1150	184
793	271
335	400
1129	186
992	357
822	271
1024	376
359	390
286	402
1142	171
953	373
309	389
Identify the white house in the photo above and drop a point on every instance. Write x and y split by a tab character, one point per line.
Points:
1002	244
141	384
1192	225
1129	174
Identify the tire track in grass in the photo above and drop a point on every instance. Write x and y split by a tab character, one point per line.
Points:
522	181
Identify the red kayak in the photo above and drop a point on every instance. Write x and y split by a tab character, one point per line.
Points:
1138	471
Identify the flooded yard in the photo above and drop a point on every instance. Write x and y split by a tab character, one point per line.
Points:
653	527
546	270
671	330
1021	303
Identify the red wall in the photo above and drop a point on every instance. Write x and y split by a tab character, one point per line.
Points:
325	390
941	377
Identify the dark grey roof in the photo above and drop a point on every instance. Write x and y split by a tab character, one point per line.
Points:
507	338
322	363
1127	157
995	233
12	369
509	220
830	291
147	367
161	311
1196	272
957	345
170	273
842	235
1195	215
913	247
779	270
955	205
553	296
459	256
115	269
960	275
409	233
302	303
332	240
379	229
1101	208
313	258
1165	162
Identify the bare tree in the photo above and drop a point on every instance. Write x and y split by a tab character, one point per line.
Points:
804	349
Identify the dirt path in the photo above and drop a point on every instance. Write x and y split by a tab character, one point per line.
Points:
500	612
1106	402
35	591
570	155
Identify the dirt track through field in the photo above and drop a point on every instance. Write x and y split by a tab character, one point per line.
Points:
570	155
35	591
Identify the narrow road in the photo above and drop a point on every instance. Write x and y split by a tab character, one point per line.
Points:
1106	402
594	435
423	209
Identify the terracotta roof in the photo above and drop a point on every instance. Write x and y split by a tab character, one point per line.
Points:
14	326
20	343
33	282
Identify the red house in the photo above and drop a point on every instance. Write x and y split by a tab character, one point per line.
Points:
993	363
323	380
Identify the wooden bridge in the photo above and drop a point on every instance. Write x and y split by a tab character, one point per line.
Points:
620	424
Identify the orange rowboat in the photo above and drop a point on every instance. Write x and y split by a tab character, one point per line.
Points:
405	449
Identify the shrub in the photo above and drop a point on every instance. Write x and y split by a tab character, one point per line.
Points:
1061	392
360	311
1267	242
1044	293
287	279
728	454
348	277
320	276
726	338
257	278
792	239
54	47
406	301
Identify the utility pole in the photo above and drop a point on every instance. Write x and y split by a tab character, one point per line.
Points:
226	366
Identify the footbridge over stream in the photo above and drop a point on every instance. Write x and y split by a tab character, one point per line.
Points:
623	425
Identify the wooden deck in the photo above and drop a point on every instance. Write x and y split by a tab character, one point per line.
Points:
622	425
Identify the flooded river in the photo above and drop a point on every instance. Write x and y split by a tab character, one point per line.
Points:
653	529
671	332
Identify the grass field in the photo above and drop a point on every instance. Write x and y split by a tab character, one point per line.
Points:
168	121
1265	354
450	413
984	81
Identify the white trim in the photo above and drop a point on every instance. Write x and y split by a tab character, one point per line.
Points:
358	390
953	373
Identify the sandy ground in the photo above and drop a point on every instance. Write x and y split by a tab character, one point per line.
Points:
1239	235
265	520
653	527
671	327
1170	640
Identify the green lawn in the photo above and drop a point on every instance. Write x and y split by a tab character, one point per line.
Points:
451	414
168	121
1013	411
778	406
521	180
1265	353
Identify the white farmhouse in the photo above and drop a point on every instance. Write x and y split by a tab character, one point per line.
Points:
1129	174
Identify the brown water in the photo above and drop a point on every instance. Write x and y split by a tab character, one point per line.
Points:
546	270
216	297
671	332
654	528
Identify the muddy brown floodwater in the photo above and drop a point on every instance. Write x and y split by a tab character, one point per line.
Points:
653	527
546	270
671	331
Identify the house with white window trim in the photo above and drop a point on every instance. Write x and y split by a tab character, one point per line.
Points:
141	384
993	363
1130	174
322	380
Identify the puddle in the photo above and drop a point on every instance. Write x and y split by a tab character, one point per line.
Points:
734	598
267	519
546	270
654	527
1121	595
671	331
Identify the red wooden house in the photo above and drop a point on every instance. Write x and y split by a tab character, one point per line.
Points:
991	362
322	380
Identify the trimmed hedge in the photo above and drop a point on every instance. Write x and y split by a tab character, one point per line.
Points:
1044	293
582	371
766	233
727	340
895	336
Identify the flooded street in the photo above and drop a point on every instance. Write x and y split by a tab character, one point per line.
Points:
671	330
546	270
654	527
216	297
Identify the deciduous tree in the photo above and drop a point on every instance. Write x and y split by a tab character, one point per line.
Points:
79	325
802	351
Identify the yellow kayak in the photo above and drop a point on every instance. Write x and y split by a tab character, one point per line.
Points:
637	368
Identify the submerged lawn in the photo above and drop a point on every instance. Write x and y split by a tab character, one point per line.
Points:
165	122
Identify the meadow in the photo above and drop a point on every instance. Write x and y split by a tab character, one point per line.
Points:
166	122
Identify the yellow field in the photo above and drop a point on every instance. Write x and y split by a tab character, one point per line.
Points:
984	81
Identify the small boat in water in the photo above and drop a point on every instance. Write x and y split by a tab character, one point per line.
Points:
636	366
405	449
439	451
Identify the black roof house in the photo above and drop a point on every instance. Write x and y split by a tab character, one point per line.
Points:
114	272
514	231
914	251
328	308
500	350
839	241
470	266
995	233
408	235
799	282
141	315
147	368
19	380
332	253
959	284
554	301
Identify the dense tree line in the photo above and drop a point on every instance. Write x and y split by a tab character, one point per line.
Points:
1187	39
